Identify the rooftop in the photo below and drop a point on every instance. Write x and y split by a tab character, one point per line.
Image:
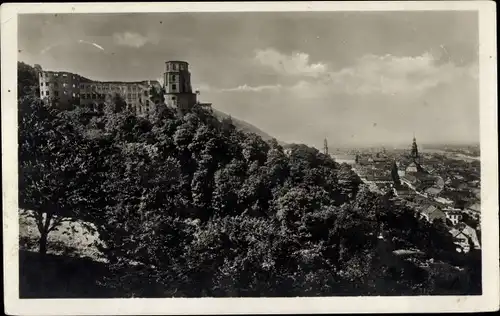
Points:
177	61
84	79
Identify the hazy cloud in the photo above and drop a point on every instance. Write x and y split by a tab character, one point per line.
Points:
369	75
295	64
132	39
247	88
240	88
393	75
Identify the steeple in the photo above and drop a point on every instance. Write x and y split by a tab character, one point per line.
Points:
414	149
325	147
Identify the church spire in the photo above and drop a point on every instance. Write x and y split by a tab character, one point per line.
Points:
325	147
414	149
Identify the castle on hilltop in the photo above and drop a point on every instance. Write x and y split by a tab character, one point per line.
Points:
65	89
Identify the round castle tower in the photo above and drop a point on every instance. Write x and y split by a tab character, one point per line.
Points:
177	85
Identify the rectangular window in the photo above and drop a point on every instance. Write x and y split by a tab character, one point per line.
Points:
145	93
82	86
65	75
174	87
46	92
174	67
56	93
74	85
172	77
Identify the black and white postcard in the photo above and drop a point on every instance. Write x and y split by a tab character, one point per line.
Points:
279	157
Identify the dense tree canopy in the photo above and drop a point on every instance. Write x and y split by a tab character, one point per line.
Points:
198	208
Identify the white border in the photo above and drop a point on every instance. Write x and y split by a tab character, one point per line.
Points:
489	301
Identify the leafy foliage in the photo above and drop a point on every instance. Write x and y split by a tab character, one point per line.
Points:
60	171
187	205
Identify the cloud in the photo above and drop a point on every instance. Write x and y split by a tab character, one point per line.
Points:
393	75
294	64
387	75
240	88
402	94
247	88
370	74
132	39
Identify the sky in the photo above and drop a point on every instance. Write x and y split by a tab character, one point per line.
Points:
355	78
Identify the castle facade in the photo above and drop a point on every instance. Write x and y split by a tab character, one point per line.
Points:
65	90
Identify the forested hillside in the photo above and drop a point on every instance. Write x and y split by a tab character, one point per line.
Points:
188	205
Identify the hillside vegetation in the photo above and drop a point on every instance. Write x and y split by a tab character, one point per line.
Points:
189	205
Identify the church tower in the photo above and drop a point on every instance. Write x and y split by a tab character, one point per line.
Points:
414	166
177	85
414	150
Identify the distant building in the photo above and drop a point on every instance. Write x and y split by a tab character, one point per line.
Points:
432	213
465	238
433	191
461	240
414	173
404	192
412	168
476	207
414	150
443	201
455	216
178	90
65	89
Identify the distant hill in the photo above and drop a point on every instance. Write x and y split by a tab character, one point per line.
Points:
245	126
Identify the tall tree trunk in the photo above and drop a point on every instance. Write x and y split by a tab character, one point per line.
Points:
43	242
44	229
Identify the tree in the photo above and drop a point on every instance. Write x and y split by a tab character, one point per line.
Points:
59	170
227	182
27	80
